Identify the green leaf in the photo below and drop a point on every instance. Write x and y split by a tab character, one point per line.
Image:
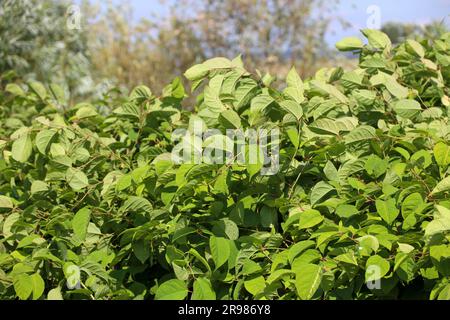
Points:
295	87
141	250
55	294
407	108
437	226
196	72
330	171
23	285
346	211
291	107
349	44
226	227
173	289
255	285
230	119
14	89
22	148
387	210
361	133
76	179
376	268
307	280
140	93
309	218
333	126
377	39
80	223
398	91
368	243
416	47
136	204
39	89
375	166
411	203
329	89
220	250
6	202
86	111
202	290
442	154
38	285
442	186
319	191
38	186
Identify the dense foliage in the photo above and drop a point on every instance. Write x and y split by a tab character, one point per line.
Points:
93	207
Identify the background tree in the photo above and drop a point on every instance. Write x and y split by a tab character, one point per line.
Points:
398	31
37	44
272	35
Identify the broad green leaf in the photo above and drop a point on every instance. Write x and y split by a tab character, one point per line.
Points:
141	93
295	87
365	97
375	166
368	243
319	191
361	133
330	171
6	202
137	204
76	179
220	250
310	218
141	250
407	108
411	203
349	44
80	223
330	89
230	119
416	47
22	148
196	72
86	111
376	268
38	285
173	289
346	211
399	92
255	285
39	89
442	186
307	280
292	107
14	89
442	154
203	290
377	39
55	294
43	140
437	226
387	209
250	267
38	186
23	285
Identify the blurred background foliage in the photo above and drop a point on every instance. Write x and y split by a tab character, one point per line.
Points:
112	49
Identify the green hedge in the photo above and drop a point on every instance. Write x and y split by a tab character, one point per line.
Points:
92	205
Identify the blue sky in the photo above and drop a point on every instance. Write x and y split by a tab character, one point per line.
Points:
354	11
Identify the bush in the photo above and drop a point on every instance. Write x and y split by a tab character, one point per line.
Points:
94	206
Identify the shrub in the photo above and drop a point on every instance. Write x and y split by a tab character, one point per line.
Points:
93	206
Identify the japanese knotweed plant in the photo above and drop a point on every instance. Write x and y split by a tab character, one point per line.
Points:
93	206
